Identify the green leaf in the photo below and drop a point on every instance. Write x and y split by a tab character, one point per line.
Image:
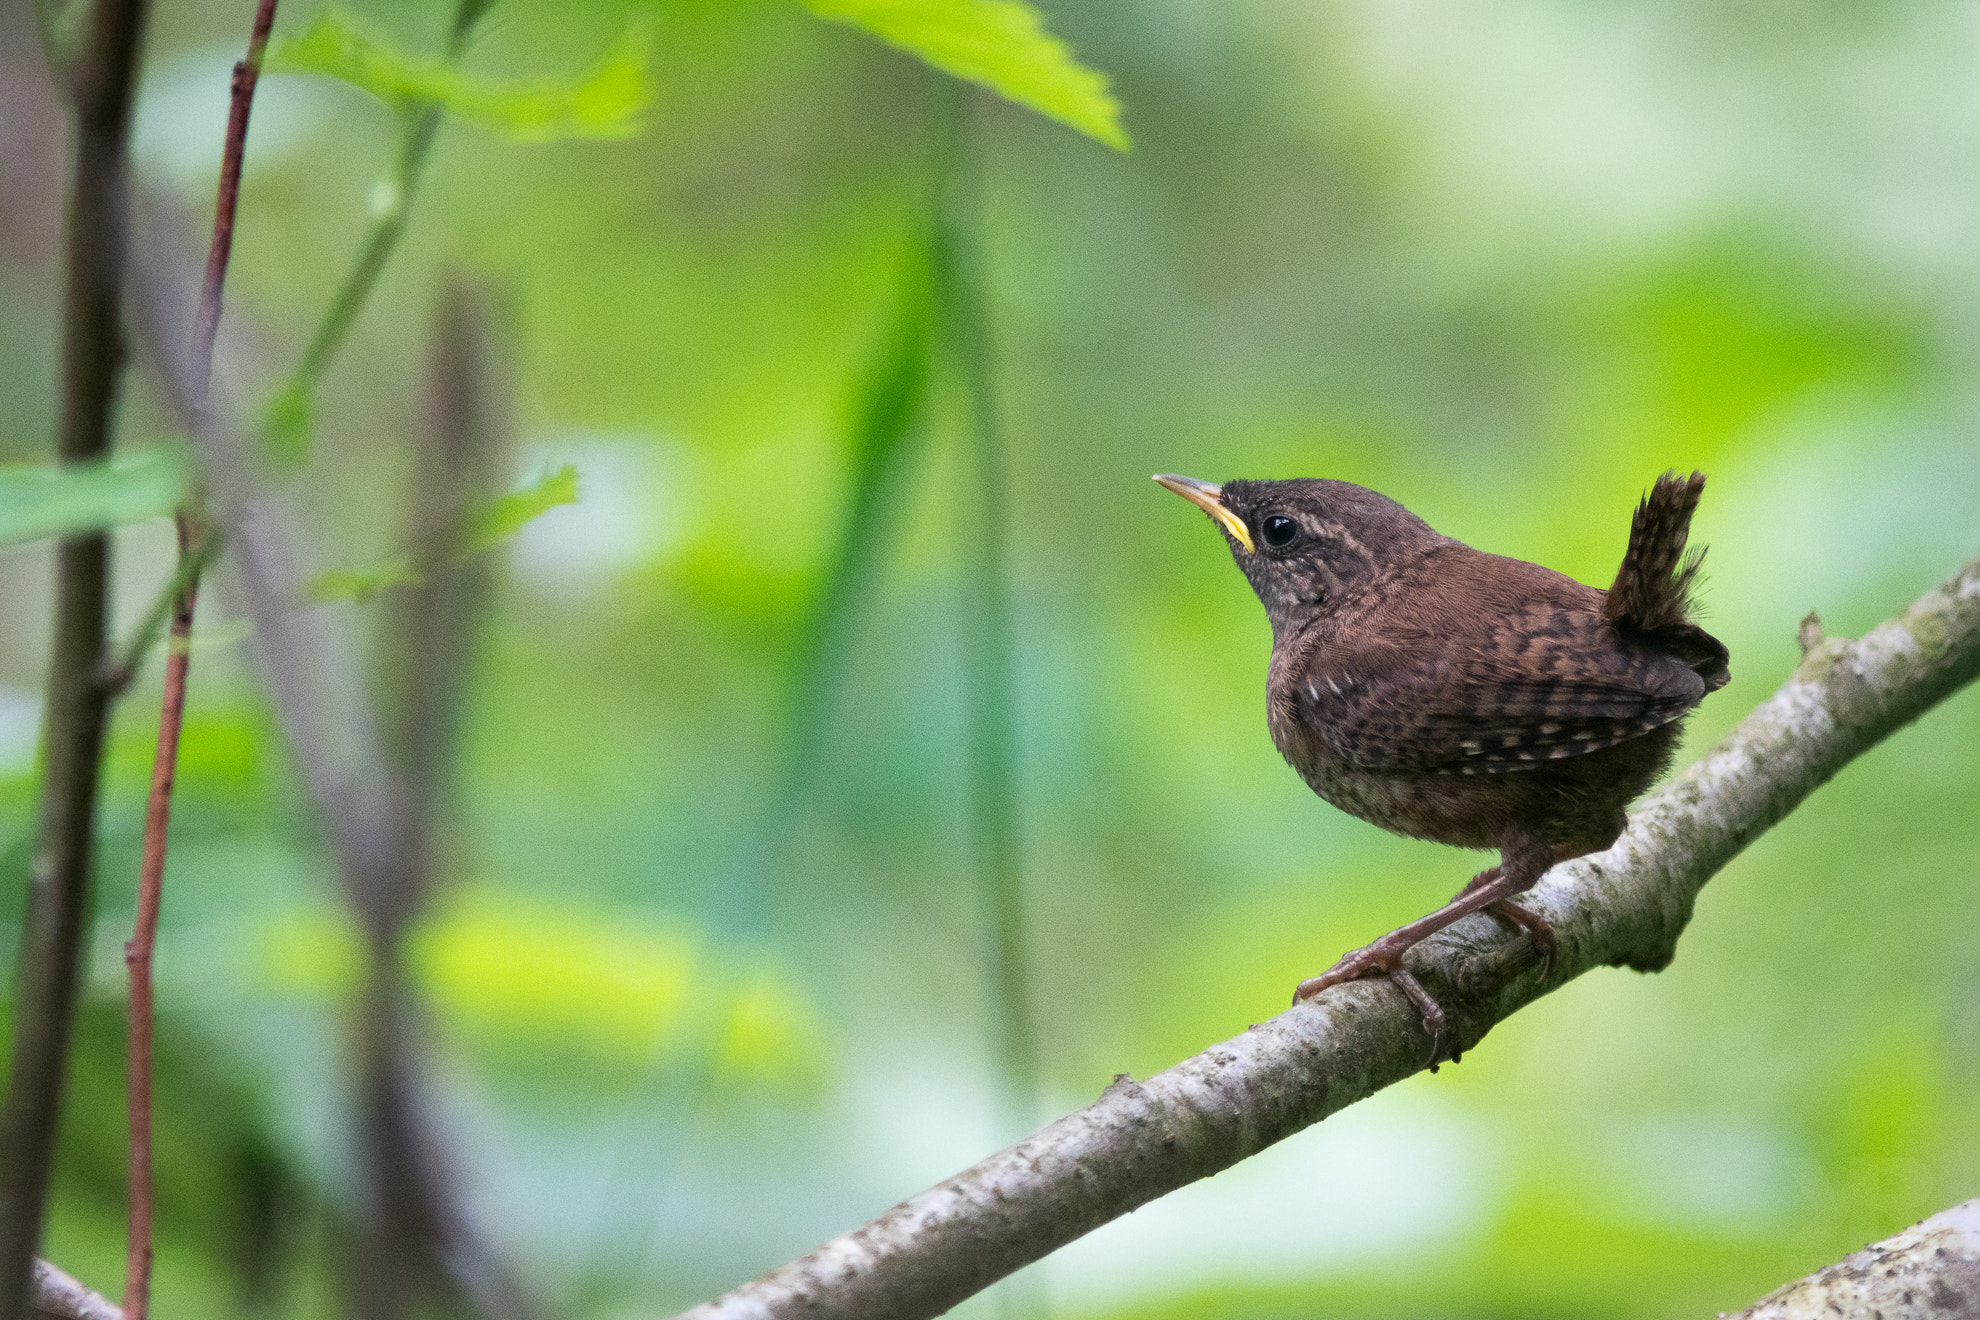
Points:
481	531
1001	44
361	584
495	523
525	981
605	101
286	426
50	500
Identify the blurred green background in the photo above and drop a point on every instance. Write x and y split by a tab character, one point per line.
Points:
1505	260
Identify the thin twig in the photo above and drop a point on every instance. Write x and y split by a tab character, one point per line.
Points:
1625	907
419	127
247	73
195	547
144	936
104	75
120	672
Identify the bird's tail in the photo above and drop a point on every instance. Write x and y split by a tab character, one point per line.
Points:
1652	591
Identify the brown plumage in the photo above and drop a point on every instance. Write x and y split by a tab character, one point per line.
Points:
1448	694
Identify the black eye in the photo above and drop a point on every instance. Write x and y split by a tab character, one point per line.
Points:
1279	530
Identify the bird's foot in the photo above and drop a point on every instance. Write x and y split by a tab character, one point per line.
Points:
1532	923
1382	958
1489	890
1373	960
1427	1008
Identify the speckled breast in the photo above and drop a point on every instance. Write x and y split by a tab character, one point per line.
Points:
1467	813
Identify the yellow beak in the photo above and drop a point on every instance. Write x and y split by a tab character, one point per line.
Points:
1209	498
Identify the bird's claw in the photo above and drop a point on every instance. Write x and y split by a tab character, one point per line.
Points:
1375	961
1351	967
1427	1008
1535	925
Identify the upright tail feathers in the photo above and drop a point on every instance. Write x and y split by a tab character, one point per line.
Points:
1652	591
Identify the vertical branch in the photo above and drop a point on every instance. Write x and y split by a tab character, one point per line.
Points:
247	73
171	715
415	1223
78	702
989	662
456	469
144	936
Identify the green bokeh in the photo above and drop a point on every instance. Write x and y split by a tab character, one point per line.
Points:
1504	262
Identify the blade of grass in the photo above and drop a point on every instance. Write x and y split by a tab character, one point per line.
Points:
989	652
884	422
884	427
988	649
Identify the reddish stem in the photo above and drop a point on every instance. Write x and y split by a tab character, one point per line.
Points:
171	718
247	73
137	953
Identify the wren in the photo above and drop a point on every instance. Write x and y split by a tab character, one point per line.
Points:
1448	694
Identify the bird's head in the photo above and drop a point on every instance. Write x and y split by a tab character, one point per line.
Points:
1307	546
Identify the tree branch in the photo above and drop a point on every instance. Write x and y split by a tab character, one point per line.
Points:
417	1221
77	701
1931	1271
61	1294
1625	908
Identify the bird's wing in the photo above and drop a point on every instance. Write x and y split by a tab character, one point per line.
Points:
1508	693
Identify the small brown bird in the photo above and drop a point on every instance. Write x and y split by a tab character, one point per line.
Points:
1448	694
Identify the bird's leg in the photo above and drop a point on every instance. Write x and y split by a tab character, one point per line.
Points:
1533	923
1530	922
1385	954
1523	860
1478	882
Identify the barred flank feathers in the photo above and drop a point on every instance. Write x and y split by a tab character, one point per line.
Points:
1652	591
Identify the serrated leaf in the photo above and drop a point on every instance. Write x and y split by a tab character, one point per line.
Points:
605	101
51	500
482	530
1001	44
